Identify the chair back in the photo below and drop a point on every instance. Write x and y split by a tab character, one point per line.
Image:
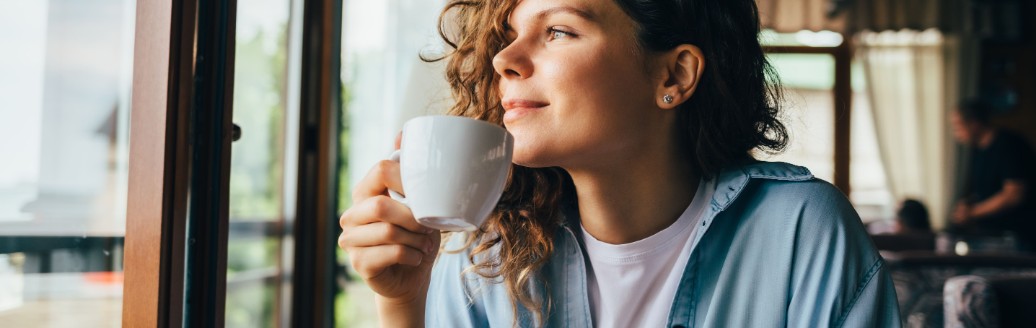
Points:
996	301
919	278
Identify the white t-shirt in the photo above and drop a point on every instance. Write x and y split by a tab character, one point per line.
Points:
634	284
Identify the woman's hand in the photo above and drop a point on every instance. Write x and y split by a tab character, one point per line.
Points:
387	247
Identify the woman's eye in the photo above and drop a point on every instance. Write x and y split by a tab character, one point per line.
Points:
556	34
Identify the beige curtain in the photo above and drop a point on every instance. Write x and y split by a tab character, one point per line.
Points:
914	80
948	16
796	15
851	16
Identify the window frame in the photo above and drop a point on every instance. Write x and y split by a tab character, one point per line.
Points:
316	225
156	200
180	139
843	94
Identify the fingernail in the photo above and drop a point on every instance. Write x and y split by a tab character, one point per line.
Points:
428	246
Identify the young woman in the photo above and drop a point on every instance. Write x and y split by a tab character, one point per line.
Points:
634	200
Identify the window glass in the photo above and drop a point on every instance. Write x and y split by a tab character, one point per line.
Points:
64	128
808	111
262	165
257	163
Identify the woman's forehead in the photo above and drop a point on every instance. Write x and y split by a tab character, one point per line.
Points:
595	10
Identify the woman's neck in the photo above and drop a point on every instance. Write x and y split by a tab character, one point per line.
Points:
635	197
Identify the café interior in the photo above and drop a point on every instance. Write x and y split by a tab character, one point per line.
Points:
184	163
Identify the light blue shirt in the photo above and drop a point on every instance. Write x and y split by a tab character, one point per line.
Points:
776	248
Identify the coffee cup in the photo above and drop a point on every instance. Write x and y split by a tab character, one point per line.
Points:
453	170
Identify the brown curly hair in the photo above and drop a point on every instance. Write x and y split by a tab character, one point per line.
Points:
733	111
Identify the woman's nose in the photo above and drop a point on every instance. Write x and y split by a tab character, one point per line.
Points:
513	62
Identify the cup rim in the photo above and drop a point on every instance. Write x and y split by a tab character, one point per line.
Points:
456	118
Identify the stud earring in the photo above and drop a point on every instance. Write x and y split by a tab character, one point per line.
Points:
667	99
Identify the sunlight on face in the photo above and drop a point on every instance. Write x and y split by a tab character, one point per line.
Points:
574	85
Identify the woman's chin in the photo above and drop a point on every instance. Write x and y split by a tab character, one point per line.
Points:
530	159
529	163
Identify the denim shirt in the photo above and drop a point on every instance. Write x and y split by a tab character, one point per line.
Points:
776	248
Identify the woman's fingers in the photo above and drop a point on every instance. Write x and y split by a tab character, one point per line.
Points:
381	208
384	175
382	233
370	262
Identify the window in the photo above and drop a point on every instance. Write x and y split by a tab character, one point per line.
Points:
262	173
202	220
806	63
64	136
808	80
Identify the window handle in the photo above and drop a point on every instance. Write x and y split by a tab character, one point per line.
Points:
235	133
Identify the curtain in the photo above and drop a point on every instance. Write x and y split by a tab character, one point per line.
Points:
949	16
851	16
914	80
796	15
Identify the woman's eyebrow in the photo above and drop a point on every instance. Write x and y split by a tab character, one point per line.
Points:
566	9
584	14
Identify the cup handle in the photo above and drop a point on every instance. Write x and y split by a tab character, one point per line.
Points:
395	195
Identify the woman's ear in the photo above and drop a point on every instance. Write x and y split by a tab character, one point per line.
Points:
683	67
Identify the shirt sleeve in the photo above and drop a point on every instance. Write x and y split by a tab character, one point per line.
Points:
838	278
450	302
879	307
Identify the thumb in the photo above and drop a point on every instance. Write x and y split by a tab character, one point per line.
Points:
399	139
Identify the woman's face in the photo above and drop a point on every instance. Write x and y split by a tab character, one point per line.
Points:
575	87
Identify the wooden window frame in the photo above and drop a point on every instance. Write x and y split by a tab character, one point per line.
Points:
180	134
843	95
316	226
179	154
157	194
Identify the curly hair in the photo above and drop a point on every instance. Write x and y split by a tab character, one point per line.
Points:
733	111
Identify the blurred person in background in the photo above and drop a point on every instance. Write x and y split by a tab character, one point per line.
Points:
912	217
998	195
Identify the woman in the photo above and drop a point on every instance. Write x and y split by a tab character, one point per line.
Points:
634	200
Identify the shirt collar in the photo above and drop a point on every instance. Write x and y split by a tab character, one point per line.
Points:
733	180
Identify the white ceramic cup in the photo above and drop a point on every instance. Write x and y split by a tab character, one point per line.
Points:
453	169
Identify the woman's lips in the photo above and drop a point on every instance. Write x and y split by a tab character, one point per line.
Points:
516	108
